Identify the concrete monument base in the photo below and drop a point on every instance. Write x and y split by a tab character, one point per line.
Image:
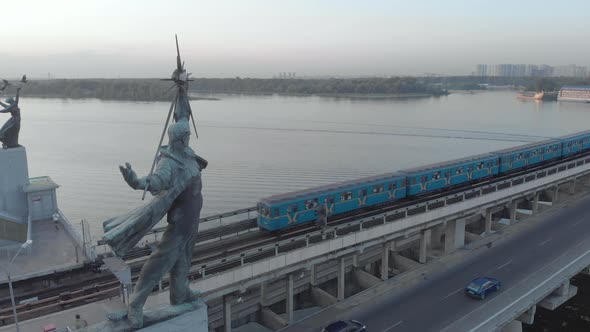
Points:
14	175
185	317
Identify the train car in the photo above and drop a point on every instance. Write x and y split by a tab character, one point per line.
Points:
575	143
519	157
424	179
295	208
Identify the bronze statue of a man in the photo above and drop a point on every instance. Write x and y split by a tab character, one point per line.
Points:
10	130
176	184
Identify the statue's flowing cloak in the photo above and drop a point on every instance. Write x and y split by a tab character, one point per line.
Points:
124	232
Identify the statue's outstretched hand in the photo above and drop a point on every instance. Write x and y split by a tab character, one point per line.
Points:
129	175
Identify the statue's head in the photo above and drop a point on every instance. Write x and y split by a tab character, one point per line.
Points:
179	134
10	100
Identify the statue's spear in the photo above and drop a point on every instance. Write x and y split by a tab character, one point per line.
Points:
180	78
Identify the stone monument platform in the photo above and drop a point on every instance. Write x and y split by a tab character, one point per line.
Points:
14	175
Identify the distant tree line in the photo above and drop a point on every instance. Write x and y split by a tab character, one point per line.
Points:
375	85
157	90
107	89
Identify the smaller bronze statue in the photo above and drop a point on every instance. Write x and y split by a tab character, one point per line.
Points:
10	130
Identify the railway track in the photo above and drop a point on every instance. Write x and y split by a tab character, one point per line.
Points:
240	236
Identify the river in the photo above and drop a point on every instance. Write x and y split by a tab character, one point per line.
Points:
262	145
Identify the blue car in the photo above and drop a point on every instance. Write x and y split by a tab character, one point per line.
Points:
482	287
345	326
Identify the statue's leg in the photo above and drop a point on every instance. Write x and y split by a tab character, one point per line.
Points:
153	270
179	289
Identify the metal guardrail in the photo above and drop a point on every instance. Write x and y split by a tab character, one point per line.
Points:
329	233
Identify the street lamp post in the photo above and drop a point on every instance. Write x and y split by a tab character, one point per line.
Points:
7	271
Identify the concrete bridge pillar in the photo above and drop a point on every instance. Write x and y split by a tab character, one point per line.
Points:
572	187
290	296
513	326
312	275
488	221
555	197
513	206
528	317
227	301
385	261
263	293
454	235
535	207
341	277
438	232
425	237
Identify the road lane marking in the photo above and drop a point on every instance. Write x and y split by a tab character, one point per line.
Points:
577	222
504	265
453	293
544	242
392	326
580	243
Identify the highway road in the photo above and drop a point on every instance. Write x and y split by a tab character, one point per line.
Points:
439	302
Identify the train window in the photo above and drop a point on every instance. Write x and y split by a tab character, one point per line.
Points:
519	157
311	204
378	189
264	211
480	165
346	196
329	200
459	170
436	176
363	192
292	208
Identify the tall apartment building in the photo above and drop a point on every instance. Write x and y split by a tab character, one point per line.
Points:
528	70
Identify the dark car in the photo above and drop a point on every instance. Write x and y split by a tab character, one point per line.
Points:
345	326
482	287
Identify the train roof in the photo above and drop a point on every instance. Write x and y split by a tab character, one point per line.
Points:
526	146
446	163
582	133
329	187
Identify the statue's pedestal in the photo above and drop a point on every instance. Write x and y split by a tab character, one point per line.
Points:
14	175
185	317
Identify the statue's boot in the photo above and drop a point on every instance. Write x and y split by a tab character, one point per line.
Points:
135	316
190	296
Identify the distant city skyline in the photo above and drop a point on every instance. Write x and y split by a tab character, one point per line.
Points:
261	38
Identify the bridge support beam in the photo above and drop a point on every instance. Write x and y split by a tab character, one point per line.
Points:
454	235
263	293
535	207
227	301
563	293
488	221
364	279
271	320
312	275
341	277
322	298
425	237
385	261
513	326
528	317
289	299
512	208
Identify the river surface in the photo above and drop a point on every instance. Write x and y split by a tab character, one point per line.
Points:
263	145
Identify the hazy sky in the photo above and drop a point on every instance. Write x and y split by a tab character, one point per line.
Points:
256	38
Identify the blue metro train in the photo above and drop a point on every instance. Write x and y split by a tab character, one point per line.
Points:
298	207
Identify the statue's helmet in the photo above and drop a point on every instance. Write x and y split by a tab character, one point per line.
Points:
178	130
10	100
